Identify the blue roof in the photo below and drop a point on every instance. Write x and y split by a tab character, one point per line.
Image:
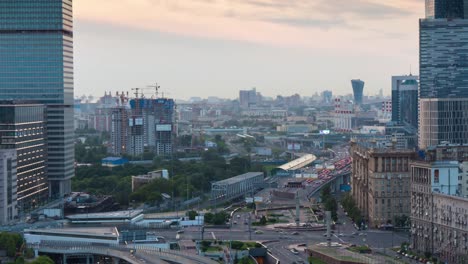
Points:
113	159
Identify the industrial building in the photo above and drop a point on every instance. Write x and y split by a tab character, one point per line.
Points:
237	186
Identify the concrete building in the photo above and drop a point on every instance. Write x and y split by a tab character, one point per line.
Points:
248	98
439	221
358	91
8	186
141	180
159	123
37	65
380	182
135	136
119	131
405	100
343	115
23	129
463	179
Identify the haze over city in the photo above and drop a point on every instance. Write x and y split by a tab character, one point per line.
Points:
203	47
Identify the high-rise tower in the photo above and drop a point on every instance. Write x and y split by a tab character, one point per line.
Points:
443	91
36	64
405	100
358	89
450	9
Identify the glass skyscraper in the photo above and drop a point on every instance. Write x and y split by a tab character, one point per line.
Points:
358	90
36	64
405	100
443	91
450	9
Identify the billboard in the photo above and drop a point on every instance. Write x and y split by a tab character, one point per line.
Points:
165	127
258	199
324	132
249	200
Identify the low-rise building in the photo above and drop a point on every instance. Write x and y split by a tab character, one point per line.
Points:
141	180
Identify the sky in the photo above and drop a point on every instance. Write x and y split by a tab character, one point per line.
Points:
218	47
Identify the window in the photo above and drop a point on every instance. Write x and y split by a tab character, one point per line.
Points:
436	176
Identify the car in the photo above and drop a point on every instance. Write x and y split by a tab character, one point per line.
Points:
180	231
235	222
258	232
325	235
238	216
245	223
341	235
295	233
294	251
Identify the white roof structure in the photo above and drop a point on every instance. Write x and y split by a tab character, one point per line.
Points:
298	163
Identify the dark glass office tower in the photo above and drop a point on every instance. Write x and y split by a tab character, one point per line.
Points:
451	9
36	63
358	90
443	91
405	100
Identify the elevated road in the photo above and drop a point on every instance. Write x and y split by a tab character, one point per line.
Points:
142	254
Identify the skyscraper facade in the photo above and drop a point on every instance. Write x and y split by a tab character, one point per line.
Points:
36	40
443	92
405	100
23	129
450	9
8	201
358	89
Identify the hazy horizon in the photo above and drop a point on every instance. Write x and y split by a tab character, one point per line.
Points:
218	47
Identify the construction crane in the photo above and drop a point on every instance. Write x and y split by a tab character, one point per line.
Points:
136	91
156	88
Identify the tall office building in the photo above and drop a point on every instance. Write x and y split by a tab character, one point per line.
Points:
36	40
443	92
248	98
8	201
23	129
405	100
450	9
358	90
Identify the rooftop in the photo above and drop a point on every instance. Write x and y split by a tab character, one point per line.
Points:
107	215
298	163
240	178
92	231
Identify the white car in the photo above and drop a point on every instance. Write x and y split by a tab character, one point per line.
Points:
294	251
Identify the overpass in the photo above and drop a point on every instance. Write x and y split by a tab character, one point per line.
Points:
138	254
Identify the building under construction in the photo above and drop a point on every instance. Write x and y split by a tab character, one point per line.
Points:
142	124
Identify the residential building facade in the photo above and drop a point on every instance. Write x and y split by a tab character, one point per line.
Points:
439	219
380	182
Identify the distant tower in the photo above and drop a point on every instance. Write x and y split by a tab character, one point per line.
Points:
358	88
405	99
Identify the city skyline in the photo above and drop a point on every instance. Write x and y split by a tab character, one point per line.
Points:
206	43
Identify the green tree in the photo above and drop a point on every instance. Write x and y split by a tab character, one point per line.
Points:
192	214
43	260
